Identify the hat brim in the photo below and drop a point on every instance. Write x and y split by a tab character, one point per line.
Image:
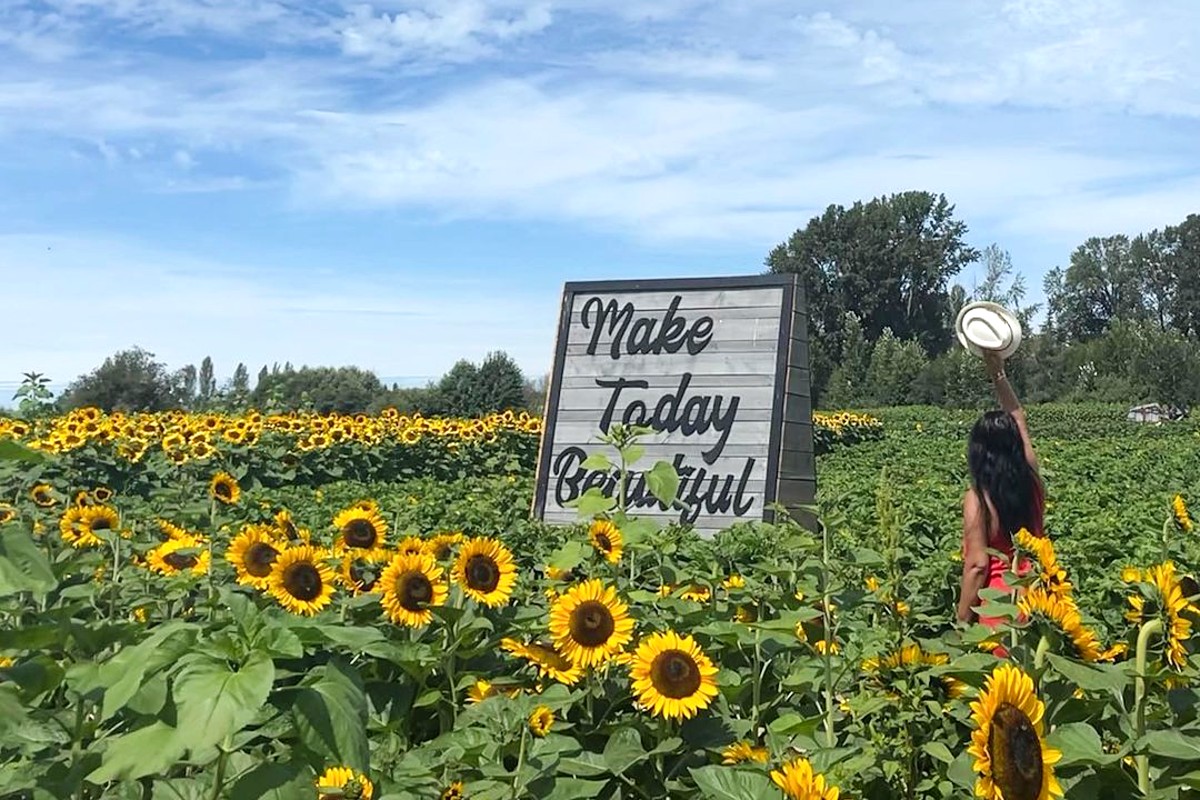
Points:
993	317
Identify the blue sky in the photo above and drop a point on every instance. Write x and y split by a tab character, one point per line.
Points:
401	184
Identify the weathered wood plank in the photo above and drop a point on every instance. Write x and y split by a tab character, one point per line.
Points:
719	361
751	425
705	299
578	349
701	380
599	397
798	436
741	329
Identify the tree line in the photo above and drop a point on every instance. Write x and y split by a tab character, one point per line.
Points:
134	380
1121	321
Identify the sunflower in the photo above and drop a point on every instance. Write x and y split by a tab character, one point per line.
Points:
102	494
540	721
550	663
1012	759
607	540
359	528
441	546
286	525
412	585
696	593
799	781
909	657
178	555
411	546
1053	577
361	569
252	553
485	570
301	581
1180	510
80	524
1173	604
7	513
346	784
453	792
743	752
43	495
671	676
589	624
1061	611
733	582
172	531
224	488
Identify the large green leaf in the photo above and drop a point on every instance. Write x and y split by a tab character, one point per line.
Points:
15	451
330	714
23	567
1098	678
124	674
723	783
214	701
12	711
146	751
1080	744
624	749
274	782
663	482
1172	744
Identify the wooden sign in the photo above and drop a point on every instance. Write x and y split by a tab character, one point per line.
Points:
718	367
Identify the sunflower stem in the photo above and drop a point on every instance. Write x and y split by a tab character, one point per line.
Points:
516	786
1147	632
219	778
1166	537
826	596
757	689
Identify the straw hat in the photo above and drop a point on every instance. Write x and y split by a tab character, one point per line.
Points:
984	326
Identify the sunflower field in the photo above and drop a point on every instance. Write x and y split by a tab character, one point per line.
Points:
201	606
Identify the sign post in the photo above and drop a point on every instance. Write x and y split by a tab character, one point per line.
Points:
718	367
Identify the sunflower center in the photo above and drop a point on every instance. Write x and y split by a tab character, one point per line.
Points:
223	490
603	542
1016	753
303	582
675	674
483	574
102	524
259	558
290	530
592	624
359	533
179	561
415	591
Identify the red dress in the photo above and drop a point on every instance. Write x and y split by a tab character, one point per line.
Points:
997	540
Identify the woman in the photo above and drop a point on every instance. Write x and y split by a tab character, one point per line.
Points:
1005	495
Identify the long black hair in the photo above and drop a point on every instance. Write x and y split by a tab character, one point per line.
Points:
996	458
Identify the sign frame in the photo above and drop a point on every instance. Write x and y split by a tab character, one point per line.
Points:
790	482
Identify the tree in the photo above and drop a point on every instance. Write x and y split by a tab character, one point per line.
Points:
262	375
501	384
1182	241
187	385
347	390
208	382
457	391
1003	285
1101	284
131	380
888	260
895	368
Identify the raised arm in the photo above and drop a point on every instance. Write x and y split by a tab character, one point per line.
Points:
975	556
1010	403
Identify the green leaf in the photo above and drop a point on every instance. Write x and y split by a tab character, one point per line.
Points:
146	751
792	724
274	782
624	749
572	788
597	461
330	714
1098	678
1080	744
215	702
570	555
11	450
124	673
584	765
724	783
1171	744
12	711
663	482
593	502
633	453
939	751
23	567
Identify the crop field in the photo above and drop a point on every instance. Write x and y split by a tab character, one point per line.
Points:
202	606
